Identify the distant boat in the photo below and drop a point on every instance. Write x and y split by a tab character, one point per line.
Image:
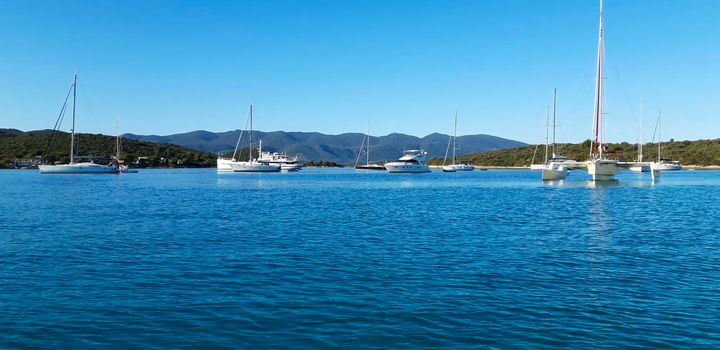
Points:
554	168
412	161
599	167
124	168
464	166
76	167
281	159
640	166
251	165
367	165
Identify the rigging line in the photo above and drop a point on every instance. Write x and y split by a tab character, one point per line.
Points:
58	123
357	160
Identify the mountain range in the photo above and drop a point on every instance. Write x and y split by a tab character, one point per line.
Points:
343	148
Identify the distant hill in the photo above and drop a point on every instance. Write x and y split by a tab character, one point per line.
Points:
19	144
341	148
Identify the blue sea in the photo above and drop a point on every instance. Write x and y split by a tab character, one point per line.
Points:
338	258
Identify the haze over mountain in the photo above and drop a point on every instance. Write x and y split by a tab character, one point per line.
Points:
341	148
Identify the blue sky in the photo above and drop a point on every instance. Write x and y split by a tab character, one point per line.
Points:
330	66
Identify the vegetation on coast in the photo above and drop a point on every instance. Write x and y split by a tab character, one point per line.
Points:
700	153
18	144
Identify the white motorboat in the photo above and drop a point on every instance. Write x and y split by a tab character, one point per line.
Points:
600	168
281	159
412	161
79	167
464	166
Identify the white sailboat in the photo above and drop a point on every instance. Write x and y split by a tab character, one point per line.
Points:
367	165
124	168
77	167
599	167
252	165
464	166
662	164
639	166
554	168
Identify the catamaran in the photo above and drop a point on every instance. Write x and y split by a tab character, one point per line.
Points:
76	167
367	165
464	166
555	167
599	167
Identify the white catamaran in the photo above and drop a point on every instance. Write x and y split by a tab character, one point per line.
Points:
599	167
77	167
464	166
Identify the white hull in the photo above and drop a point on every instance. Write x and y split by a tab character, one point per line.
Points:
78	168
554	171
644	168
602	169
224	164
290	166
669	167
253	167
458	167
404	167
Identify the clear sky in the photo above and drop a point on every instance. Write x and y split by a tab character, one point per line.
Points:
330	66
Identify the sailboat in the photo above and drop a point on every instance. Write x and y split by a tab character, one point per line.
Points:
77	167
639	166
367	165
599	167
124	168
662	164
554	168
464	166
251	165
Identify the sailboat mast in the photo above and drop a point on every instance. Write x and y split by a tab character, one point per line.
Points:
554	110
659	125
597	117
367	153
455	138
250	137
547	126
72	131
117	138
640	144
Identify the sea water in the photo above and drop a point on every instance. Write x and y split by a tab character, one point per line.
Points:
359	259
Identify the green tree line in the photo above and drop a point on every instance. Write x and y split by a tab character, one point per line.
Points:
700	152
148	154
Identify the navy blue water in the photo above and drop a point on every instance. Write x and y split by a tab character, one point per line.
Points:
339	258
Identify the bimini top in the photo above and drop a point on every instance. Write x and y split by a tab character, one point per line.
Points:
413	155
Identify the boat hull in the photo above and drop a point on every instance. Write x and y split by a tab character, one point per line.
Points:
552	173
457	167
402	167
370	167
643	168
224	165
602	169
251	167
78	168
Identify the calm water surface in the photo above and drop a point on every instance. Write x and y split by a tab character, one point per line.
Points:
339	258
